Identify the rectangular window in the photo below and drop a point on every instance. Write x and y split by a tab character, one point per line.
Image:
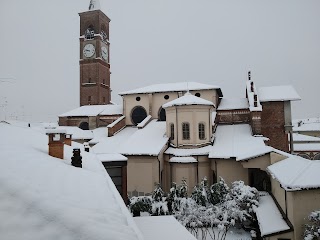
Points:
89	99
172	131
185	131
202	134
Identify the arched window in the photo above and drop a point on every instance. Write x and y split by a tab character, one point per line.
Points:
138	114
162	114
185	131
89	33
172	131
202	133
316	157
84	126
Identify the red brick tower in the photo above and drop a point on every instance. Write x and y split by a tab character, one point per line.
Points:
94	56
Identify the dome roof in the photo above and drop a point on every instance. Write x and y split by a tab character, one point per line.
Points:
187	99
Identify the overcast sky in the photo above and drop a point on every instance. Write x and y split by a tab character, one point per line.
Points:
213	42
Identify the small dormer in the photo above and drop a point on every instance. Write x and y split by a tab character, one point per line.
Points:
188	121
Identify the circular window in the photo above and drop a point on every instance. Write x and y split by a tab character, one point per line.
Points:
166	97
138	98
138	114
197	94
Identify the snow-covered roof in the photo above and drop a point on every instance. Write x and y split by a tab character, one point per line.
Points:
303	147
278	93
111	157
180	152
309	124
187	99
162	227
43	197
77	133
183	160
236	141
94	110
233	103
173	87
296	173
269	217
304	138
149	140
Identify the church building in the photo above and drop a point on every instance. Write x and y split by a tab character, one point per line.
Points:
167	133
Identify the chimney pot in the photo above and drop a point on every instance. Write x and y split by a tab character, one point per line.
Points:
86	147
76	158
249	75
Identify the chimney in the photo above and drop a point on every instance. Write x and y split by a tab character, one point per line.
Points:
252	88
68	139
76	158
255	98
86	147
249	76
56	142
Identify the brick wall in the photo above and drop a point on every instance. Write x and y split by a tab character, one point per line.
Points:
272	125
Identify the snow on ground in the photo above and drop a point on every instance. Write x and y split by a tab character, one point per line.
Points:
269	217
162	227
149	140
46	198
171	87
236	141
296	173
233	104
278	93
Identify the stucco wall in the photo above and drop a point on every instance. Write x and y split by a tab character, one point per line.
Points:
152	102
193	115
304	202
230	170
279	194
261	162
143	173
187	171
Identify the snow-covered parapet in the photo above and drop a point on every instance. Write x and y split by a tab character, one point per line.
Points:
253	99
183	160
56	131
145	122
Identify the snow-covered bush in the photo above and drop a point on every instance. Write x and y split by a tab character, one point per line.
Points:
218	192
201	193
312	228
140	204
159	204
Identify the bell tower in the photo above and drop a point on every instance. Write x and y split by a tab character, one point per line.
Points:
94	56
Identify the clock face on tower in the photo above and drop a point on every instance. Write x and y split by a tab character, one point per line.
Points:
104	53
88	50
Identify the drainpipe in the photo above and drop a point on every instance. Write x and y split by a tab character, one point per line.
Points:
177	127
197	170
159	170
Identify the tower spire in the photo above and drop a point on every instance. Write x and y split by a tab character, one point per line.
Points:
94	5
